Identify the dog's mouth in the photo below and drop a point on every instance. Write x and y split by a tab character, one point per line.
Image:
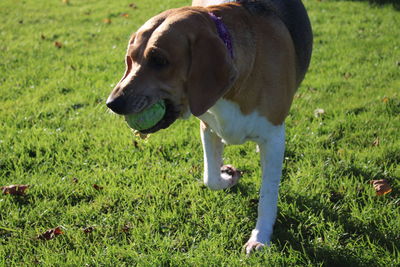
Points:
171	115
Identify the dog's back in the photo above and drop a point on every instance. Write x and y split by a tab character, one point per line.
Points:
294	16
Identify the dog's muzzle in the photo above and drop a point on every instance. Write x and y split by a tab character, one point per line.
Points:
125	106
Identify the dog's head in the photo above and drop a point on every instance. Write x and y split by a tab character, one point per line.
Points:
176	56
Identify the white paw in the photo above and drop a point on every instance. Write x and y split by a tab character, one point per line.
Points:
230	174
251	246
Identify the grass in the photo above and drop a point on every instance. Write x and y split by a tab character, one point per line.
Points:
153	210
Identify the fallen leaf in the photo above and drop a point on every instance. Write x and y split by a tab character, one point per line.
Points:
126	228
50	234
125	15
58	44
381	187
16	190
97	187
107	21
88	230
133	5
376	142
319	112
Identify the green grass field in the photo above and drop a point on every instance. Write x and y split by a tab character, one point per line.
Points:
153	209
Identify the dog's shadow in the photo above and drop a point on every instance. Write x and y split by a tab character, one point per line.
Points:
290	229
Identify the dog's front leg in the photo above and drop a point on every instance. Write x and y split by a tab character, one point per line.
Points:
271	153
215	176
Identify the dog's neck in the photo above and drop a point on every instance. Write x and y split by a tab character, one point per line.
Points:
223	32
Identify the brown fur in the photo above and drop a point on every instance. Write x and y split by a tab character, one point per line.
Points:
265	59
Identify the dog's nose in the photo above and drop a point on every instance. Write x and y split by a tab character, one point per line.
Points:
116	104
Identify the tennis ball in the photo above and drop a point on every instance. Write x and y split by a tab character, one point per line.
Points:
147	118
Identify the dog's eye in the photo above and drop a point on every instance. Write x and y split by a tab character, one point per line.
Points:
157	60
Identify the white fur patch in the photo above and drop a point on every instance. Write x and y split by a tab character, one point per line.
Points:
228	122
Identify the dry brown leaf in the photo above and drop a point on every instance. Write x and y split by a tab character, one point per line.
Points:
133	5
88	230
97	187
107	21
50	234
58	44
385	99
376	142
125	15
126	228
381	187
16	190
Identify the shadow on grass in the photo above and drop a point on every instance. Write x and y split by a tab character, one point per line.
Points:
303	238
394	3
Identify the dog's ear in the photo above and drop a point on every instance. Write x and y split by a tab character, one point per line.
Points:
128	59
211	72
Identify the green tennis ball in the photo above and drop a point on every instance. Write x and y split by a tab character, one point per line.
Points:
147	118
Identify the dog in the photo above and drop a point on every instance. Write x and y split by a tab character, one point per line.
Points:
235	65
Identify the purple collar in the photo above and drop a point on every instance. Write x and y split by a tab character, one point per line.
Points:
223	32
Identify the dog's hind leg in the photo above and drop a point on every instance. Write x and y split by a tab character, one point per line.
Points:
215	176
271	152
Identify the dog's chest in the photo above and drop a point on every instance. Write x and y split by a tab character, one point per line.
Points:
229	123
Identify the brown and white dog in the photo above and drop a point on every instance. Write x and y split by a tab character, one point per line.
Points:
235	65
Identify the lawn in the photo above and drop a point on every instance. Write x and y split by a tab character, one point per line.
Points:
60	60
